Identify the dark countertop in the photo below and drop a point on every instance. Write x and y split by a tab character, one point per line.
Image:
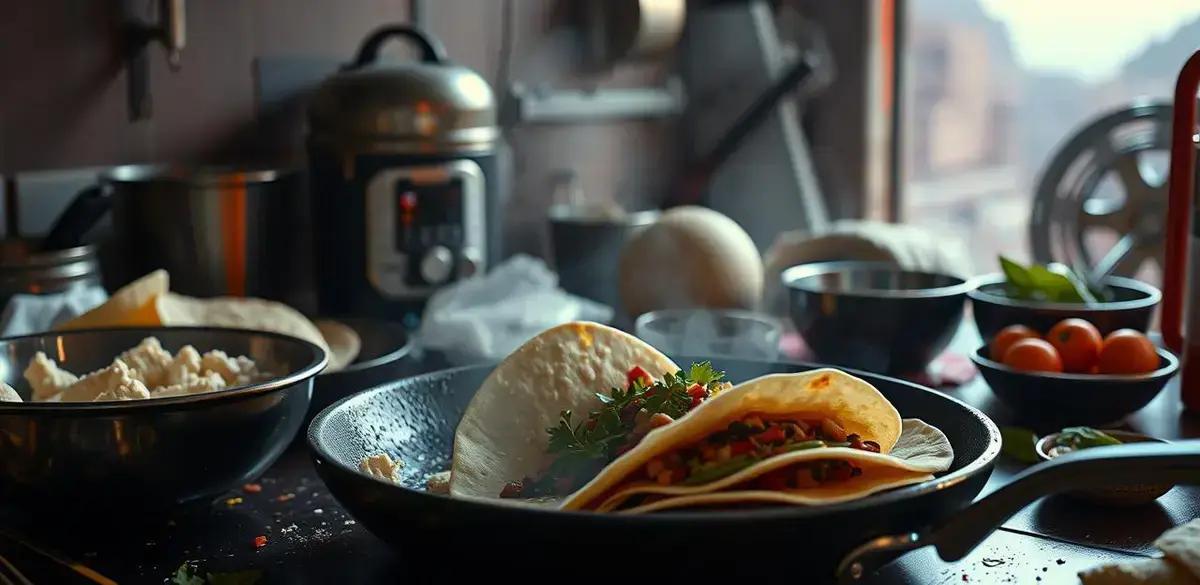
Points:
311	539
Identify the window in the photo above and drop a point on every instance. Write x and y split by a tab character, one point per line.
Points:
997	86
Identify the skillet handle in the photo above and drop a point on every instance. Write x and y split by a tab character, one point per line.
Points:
1117	466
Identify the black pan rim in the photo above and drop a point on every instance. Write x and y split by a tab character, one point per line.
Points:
981	464
319	359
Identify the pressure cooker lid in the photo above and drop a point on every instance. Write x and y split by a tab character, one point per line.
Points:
432	105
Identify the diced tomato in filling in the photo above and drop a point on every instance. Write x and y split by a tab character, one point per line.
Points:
772	435
637	373
741	447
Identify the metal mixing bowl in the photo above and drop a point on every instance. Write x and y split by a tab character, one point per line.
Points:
874	316
147	453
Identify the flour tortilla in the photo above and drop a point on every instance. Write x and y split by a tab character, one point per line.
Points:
854	403
502	436
131	306
344	343
921	451
243	313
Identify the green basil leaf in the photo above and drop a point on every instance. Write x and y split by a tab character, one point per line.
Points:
1020	444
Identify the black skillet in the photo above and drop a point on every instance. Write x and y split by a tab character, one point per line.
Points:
414	419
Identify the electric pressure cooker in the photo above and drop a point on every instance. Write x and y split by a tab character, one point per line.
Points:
404	175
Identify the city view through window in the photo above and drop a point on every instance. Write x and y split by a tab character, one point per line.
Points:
997	86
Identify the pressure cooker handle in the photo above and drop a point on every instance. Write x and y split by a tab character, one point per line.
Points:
432	50
1181	182
1118	466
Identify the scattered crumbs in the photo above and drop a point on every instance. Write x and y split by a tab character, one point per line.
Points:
288	529
990	563
965	577
1044	569
285	497
322	523
252	488
260	541
1060	561
231	502
319	511
349	523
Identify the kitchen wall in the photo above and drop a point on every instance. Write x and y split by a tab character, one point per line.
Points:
237	95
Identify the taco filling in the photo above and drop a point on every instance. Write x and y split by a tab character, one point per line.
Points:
754	438
579	450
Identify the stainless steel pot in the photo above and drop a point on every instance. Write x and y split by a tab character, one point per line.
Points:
218	231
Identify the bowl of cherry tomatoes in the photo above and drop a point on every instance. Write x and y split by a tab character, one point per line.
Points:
1073	374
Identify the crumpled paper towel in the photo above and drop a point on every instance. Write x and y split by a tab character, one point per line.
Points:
486	317
27	313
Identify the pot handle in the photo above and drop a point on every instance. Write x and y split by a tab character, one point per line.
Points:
1181	190
83	213
1118	466
432	50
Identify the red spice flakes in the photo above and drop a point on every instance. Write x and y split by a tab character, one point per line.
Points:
252	488
260	541
285	497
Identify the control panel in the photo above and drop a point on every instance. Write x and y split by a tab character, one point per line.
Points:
425	227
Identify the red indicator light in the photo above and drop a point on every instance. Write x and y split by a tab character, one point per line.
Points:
408	201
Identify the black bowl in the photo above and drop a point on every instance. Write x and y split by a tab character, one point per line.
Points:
1135	495
874	316
118	457
1132	307
1051	399
384	357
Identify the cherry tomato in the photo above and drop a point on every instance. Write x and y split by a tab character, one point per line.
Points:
1126	351
1033	355
1078	343
1006	337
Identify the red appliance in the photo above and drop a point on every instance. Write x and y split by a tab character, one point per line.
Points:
1183	236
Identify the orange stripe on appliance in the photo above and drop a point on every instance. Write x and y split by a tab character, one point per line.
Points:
233	233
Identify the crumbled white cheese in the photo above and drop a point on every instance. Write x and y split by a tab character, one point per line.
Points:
219	362
46	379
381	466
8	394
134	389
141	372
116	382
439	483
148	362
192	384
186	362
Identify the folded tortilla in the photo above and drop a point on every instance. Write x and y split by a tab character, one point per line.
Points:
856	405
502	435
921	450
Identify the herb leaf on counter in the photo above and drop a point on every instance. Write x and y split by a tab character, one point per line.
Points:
1020	444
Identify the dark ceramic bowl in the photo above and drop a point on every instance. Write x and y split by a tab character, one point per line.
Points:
1125	496
874	316
139	455
1050	399
383	357
1132	307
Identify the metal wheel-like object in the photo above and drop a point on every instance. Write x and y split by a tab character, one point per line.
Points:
1101	204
